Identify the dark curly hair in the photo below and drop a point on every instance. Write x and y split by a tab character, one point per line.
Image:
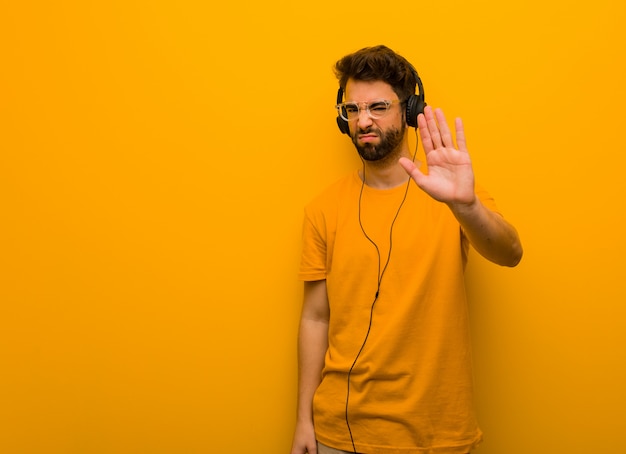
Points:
378	63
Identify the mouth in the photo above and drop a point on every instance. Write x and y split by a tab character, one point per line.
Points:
367	138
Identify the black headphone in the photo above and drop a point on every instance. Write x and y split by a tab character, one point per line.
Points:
414	105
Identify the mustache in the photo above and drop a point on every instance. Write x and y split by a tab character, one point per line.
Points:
369	130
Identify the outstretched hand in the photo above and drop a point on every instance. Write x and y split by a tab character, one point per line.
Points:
450	178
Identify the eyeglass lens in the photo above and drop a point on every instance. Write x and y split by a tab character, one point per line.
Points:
375	109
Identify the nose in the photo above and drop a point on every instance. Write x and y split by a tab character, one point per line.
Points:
364	121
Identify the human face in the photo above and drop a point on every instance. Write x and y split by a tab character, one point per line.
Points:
376	139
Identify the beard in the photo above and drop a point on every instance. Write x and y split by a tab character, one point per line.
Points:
388	147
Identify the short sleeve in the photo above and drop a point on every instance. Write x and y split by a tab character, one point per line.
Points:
314	247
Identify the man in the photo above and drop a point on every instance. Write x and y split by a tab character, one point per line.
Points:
384	351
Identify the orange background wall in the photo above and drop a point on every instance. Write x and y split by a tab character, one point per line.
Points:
155	158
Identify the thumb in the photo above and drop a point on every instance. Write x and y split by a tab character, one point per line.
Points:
410	168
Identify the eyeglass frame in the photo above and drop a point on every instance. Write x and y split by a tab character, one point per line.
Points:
341	108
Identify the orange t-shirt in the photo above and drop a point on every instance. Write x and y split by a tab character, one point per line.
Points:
411	387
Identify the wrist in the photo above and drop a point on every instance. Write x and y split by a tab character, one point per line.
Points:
466	208
304	416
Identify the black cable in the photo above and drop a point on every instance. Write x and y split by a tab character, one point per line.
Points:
380	278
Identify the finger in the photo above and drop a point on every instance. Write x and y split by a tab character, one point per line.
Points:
460	135
424	134
433	128
413	171
444	130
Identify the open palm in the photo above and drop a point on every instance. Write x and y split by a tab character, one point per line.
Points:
450	178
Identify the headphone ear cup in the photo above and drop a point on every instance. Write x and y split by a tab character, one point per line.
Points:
414	106
343	125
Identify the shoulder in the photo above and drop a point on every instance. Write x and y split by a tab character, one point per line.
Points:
486	198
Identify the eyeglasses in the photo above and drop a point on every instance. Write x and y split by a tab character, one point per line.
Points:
375	109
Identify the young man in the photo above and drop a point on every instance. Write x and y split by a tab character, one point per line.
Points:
384	351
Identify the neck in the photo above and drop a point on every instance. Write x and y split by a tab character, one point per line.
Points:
386	173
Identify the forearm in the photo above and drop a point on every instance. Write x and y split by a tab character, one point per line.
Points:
312	346
489	233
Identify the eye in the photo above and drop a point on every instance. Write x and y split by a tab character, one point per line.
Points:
351	108
378	107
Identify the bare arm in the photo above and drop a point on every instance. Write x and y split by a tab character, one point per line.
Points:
312	346
450	180
489	233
